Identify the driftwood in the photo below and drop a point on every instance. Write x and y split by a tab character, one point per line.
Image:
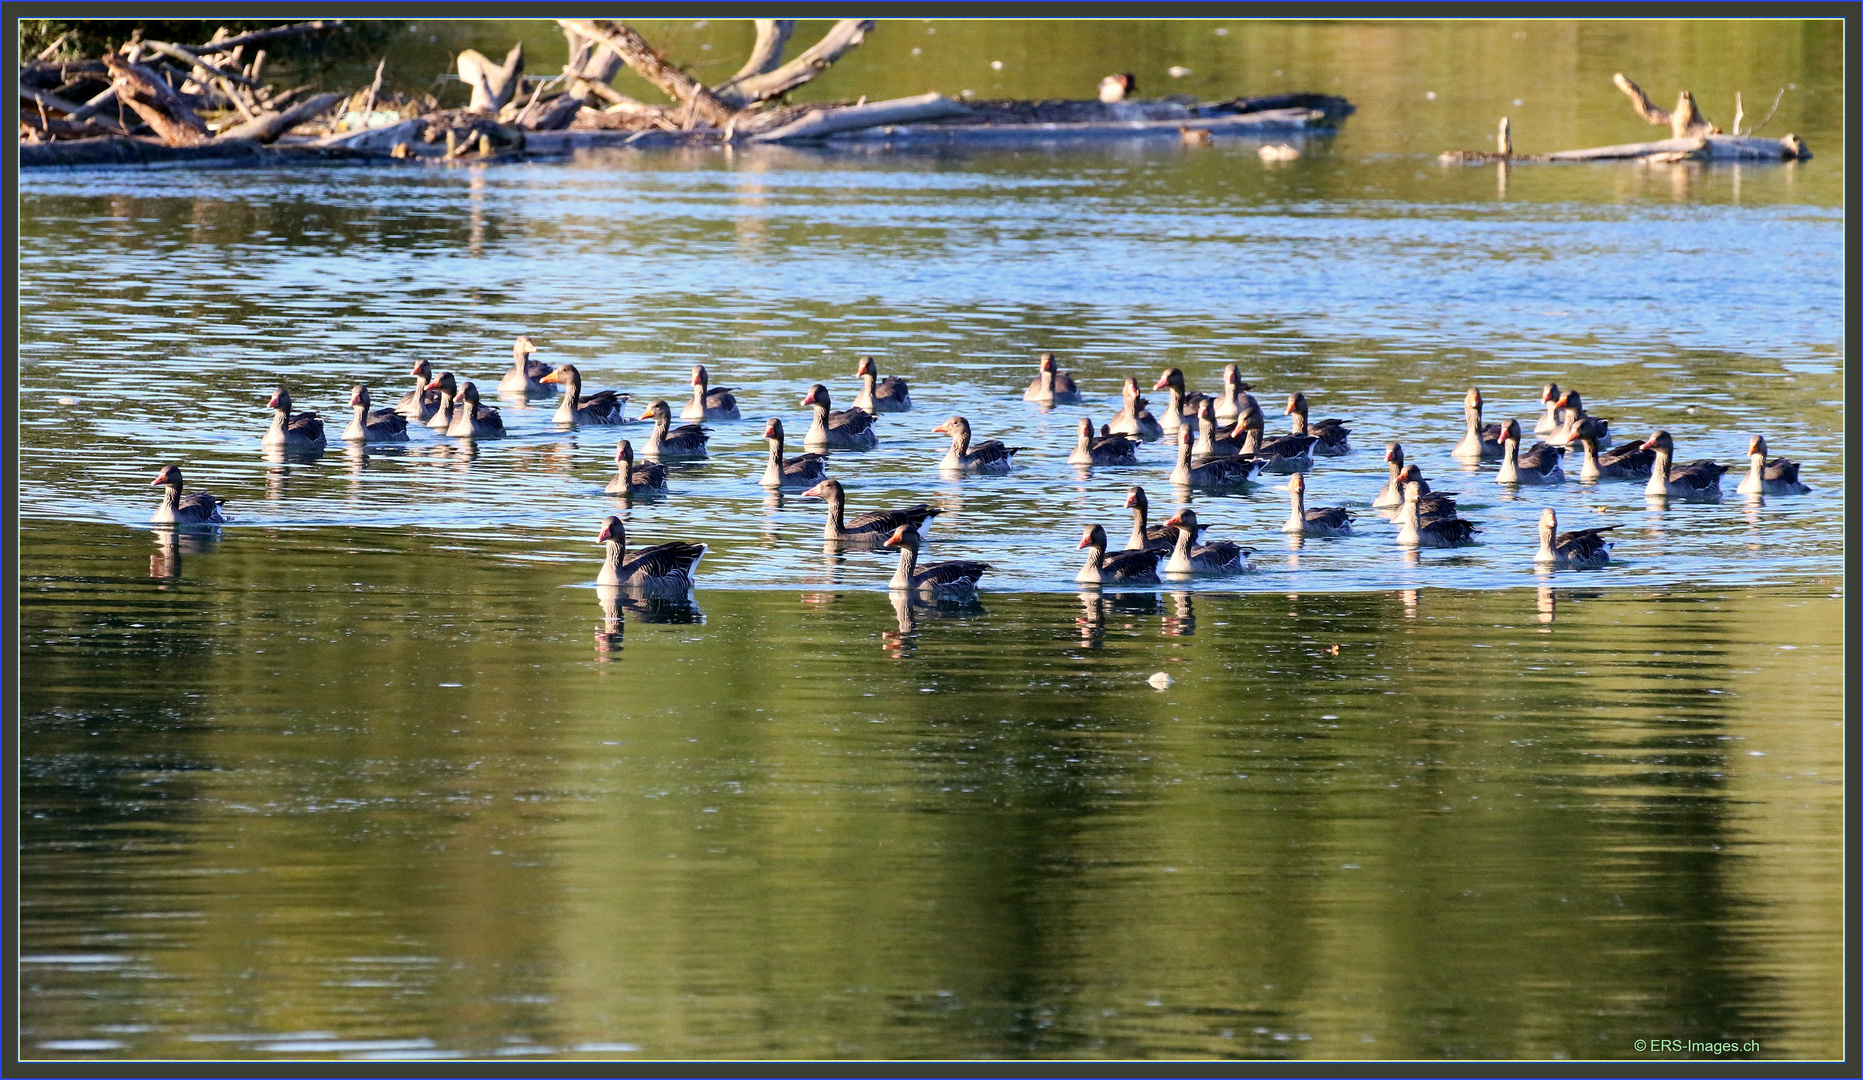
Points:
158	105
276	32
271	125
743	90
772	37
492	84
1686	120
821	123
701	103
71	110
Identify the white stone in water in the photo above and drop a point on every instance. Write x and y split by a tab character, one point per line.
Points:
67	401
1160	681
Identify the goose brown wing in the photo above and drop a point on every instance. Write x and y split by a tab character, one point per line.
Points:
1220	553
691	436
1697	474
719	397
1287	446
1113	445
992	450
198	506
488	417
850	421
1128	565
1541	457
1584	543
535	370
650	474
387	422
1630	455
669	560
1780	470
957	572
888	520
1437	504
1454	530
308	423
1336	517
890	387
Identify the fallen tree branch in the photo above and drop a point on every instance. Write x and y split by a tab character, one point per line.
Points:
205	66
650	65
492	84
821	123
276	32
1776	98
271	125
842	37
1686	120
772	37
158	105
49	100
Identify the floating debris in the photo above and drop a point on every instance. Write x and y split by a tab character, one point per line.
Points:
1160	681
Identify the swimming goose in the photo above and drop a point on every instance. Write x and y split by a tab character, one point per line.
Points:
1052	386
1699	480
1770	476
1414	531
872	527
303	431
1216	557
444	389
1135	418
526	375
879	395
989	456
1182	406
1430	504
419	403
800	471
1580	547
663	568
1555	412
473	420
850	429
380	425
1628	461
1391	494
1537	465
685	441
1572	412
709	402
632	479
1329	435
1213	440
606	407
1108	449
1131	567
1478	442
1115	88
1235	396
178	509
1282	454
1319	521
1216	472
1161	537
956	578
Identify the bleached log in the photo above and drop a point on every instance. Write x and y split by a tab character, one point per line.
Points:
767	53
492	84
273	124
1696	148
158	105
650	65
816	59
821	123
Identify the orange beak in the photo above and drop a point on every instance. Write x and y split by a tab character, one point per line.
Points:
1163	381
942	429
645	413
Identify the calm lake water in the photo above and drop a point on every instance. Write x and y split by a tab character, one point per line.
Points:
373	772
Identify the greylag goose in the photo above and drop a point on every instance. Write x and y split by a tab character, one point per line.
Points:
850	429
879	395
606	407
801	471
1329	435
1160	537
1479	441
1628	461
1107	449
1182	406
709	402
1235	398
1215	557
380	425
304	431
956	578
872	527
1319	521
1133	567
1216	472
472	420
1391	494
685	441
666	567
1115	88
1430	504
1580	547
419	403
1571	409
1539	464
1770	476
1135	418
632	479
1283	454
1213	440
526	375
178	509
1699	480
989	456
1555	412
1052	386
444	388
1415	531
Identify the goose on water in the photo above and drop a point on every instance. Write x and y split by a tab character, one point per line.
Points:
1537	465
951	579
1161	537
1769	476
473	420
1329	435
1318	521
1578	548
879	395
872	527
667	441
1698	481
1135	418
989	456
300	431
177	509
1218	557
379	425
526	375
1413	530
419	403
1479	441
445	388
663	568
1181	408
1052	386
850	429
1108	449
1628	461
803	470
630	479
1235	396
1131	567
1216	472
606	407
709	402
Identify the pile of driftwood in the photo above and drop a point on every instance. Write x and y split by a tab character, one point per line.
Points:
1693	137
168	88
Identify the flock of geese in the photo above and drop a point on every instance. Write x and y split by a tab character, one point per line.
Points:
1220	445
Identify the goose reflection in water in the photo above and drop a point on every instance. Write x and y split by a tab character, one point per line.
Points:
1547	604
909	605
1409	597
174	541
1182	622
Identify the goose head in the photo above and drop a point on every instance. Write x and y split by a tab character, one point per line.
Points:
773	429
817	396
1171	377
1756	447
563	373
866	368
170	476
613	532
1471	401
280	401
624	454
1394	454
422	370
446	384
1086	429
1296	405
523	347
954	427
655	411
1549	524
1135	499
359	396
1186	519
1093	537
699	375
1549	395
1660	442
1510	432
827	489
904	536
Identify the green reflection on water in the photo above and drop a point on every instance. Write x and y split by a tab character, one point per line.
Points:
1490	824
